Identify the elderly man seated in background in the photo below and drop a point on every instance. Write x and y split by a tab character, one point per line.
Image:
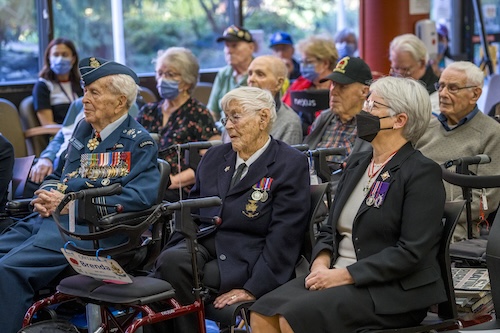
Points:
462	130
336	127
239	47
30	252
409	58
269	72
281	44
264	186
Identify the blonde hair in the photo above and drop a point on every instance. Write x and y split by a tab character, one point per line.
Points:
321	47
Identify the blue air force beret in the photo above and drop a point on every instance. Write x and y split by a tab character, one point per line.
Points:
93	68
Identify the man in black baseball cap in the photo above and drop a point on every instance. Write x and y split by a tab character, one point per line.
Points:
239	47
336	126
350	70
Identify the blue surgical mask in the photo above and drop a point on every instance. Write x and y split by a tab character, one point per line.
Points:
308	71
60	65
345	49
168	89
441	48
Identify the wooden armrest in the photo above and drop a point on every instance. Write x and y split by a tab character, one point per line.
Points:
42	130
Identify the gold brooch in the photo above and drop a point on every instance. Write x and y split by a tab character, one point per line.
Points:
92	144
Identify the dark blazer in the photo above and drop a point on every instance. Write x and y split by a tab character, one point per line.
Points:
396	244
6	167
140	186
258	242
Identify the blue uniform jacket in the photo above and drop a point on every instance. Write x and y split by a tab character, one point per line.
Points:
258	242
396	244
140	186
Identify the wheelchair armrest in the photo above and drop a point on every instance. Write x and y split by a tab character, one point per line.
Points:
19	207
130	218
228	314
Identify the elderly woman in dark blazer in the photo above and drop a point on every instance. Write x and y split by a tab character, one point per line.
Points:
264	212
374	265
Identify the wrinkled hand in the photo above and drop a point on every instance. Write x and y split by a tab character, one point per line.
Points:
40	170
323	277
46	202
231	297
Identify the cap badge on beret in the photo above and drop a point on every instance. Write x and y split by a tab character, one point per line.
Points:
94	63
341	65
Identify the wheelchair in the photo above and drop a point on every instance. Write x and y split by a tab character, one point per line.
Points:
132	300
470	252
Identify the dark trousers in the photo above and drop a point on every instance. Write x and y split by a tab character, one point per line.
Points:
174	265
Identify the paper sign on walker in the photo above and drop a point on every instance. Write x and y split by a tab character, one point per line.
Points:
97	267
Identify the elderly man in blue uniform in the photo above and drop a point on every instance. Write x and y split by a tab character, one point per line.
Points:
264	186
30	252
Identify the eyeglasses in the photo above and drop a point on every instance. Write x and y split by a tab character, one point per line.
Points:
370	104
168	75
309	61
452	88
235	118
402	71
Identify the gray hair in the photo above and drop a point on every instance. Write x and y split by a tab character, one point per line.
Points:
475	76
184	61
251	99
123	84
412	44
406	95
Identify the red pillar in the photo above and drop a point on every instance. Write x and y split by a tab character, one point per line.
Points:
379	22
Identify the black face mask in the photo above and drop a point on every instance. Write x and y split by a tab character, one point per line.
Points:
368	125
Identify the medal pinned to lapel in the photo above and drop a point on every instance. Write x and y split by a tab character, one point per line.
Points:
377	194
226	169
94	142
385	175
261	189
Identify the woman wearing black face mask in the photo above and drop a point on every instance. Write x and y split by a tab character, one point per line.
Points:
374	265
178	117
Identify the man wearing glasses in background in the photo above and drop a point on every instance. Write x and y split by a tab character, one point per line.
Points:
462	130
409	58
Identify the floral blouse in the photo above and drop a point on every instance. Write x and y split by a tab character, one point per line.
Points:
191	122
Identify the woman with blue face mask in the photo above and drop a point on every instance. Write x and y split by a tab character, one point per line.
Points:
318	59
59	82
178	117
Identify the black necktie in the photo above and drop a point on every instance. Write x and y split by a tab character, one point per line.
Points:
237	175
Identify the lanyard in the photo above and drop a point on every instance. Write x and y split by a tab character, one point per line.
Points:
71	99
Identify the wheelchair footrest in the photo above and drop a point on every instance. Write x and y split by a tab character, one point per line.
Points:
142	290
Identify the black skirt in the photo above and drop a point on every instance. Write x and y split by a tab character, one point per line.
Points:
339	309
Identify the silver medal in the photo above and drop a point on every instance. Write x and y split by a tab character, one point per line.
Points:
370	201
257	195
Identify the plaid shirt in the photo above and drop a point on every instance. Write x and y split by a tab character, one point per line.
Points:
339	134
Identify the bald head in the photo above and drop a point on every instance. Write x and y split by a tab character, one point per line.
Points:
267	72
